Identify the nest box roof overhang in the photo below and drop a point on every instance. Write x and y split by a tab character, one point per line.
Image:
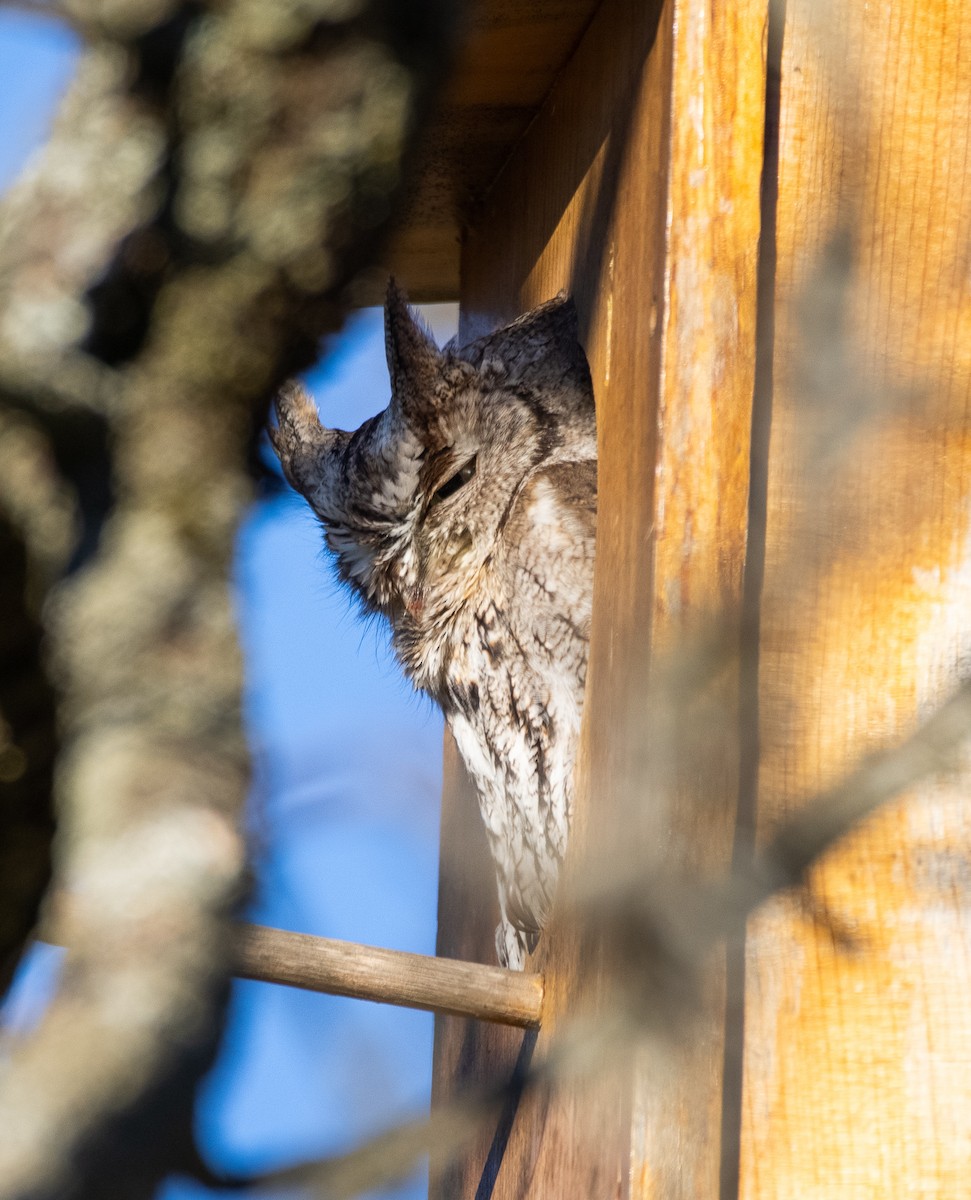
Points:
513	52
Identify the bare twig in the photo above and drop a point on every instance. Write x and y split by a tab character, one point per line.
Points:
932	748
679	923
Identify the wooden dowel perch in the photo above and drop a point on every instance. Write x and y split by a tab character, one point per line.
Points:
390	976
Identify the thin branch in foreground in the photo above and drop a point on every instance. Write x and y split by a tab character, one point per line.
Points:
932	748
588	1044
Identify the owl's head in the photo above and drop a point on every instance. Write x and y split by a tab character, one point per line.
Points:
414	502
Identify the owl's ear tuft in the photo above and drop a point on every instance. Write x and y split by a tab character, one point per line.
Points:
414	361
305	448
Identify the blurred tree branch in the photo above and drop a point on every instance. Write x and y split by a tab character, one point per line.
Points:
217	177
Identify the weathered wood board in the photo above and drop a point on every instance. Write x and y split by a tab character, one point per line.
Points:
513	51
858	1058
638	188
651	221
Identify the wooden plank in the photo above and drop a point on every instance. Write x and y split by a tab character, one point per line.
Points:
514	51
858	1068
652	224
700	521
389	976
468	1055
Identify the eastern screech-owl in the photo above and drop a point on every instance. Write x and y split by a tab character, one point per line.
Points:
465	513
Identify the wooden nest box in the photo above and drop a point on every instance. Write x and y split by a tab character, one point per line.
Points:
764	215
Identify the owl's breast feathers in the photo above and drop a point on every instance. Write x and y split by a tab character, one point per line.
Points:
513	678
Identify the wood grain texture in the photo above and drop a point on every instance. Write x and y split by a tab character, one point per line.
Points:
467	1054
700	523
652	224
389	976
858	1066
513	53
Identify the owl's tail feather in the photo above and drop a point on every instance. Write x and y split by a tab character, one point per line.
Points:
513	946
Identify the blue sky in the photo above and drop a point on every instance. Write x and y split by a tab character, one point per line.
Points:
344	811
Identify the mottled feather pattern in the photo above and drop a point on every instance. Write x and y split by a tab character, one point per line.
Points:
465	513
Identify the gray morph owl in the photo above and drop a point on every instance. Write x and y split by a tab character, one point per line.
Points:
465	513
